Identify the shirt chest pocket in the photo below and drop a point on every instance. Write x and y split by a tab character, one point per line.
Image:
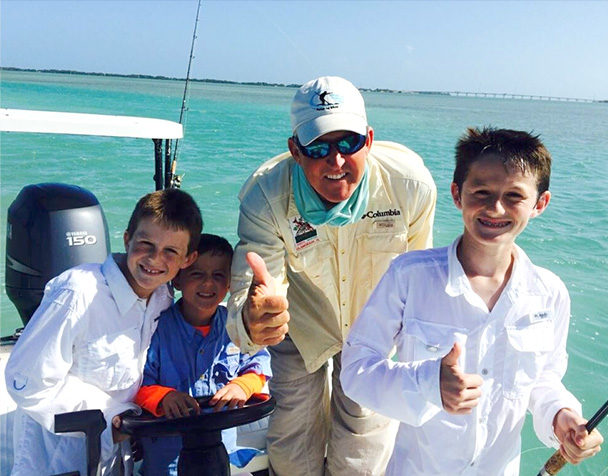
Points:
382	248
528	347
316	262
428	340
111	362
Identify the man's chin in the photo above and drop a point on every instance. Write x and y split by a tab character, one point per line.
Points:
334	198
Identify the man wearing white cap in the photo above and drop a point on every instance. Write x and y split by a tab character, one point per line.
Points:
318	227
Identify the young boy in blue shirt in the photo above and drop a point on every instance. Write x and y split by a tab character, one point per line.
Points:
86	344
191	355
480	331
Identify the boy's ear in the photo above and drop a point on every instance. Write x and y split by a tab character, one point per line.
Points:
126	238
191	258
541	204
456	195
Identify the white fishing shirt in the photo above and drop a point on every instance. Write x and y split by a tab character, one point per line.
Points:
424	304
84	348
327	272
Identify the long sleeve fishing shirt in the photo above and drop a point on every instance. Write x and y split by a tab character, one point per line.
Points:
84	348
327	272
422	306
182	358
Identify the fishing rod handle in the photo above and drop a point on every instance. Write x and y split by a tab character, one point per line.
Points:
557	461
553	465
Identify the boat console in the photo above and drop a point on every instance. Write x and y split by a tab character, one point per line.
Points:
202	454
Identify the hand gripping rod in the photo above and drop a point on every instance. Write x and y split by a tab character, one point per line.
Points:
557	461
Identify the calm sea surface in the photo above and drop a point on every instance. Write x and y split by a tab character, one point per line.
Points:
231	129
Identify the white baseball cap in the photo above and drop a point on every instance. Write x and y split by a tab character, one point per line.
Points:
327	104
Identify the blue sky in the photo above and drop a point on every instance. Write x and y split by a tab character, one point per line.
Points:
541	48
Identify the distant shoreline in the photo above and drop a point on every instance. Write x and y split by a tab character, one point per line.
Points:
206	80
143	76
263	83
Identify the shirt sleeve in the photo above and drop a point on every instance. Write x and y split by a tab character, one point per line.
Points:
250	383
149	397
406	391
258	232
550	395
258	363
37	373
420	234
152	366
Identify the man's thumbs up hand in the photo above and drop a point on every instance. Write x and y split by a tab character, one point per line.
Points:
265	314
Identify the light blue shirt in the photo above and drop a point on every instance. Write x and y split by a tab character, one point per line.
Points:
182	358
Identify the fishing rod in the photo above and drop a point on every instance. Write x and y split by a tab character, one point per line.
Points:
173	180
557	461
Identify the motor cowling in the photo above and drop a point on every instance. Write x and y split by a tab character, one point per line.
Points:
51	227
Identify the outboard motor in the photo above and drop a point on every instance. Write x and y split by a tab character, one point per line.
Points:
51	227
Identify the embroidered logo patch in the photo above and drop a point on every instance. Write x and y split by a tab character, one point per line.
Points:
384	224
232	349
392	212
304	234
382	220
539	316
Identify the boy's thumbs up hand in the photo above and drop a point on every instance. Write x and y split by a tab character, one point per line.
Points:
460	392
451	358
265	313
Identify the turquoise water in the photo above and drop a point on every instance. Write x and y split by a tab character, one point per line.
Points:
231	129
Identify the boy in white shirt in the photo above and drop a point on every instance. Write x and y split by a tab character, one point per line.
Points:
85	346
480	331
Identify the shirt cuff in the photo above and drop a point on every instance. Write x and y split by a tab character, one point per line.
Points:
250	382
246	345
546	433
149	397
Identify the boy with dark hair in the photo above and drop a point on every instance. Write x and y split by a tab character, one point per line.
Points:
480	331
85	346
191	356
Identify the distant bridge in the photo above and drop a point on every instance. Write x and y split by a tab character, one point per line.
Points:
516	96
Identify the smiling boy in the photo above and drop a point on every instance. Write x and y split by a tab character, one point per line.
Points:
480	331
191	356
85	345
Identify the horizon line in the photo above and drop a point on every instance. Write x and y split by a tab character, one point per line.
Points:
503	95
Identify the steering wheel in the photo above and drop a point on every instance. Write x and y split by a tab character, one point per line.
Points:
203	452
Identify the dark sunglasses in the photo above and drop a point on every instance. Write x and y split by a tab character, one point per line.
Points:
319	149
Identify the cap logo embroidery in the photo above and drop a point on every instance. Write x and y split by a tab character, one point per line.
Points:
326	100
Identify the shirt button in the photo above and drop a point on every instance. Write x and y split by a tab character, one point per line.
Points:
432	348
343	304
484	372
343	278
341	252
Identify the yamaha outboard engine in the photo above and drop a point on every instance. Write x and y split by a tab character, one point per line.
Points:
51	227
